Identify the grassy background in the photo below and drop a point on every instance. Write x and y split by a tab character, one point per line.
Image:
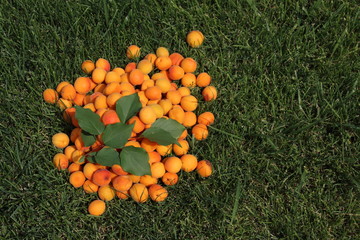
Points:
284	146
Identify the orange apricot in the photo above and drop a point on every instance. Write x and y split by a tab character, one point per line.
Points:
184	91
176	58
50	96
79	99
148	145
204	168
209	93
110	117
157	169
100	102
112	99
136	77
182	149
90	106
157	193
74	167
82	85
98	75
189	162
106	193
200	131
77	157
101	177
90	187
151	57
61	85
133	51
183	135
147	84
177	114
61	161
206	118
134	178
119	70
153	93
145	66
112	76
166	105
139	126
174	96
122	194
170	178
189	80
60	140
195	38
139	193
189	65
148	180
97	207
112	88
162	52
176	72
147	115
203	79
189	119
116	168
154	157
98	89
102	63
172	164
68	92
164	84
132	143
69	150
189	103
89	169
163	63
129	67
164	150
77	179
75	133
87	66
122	183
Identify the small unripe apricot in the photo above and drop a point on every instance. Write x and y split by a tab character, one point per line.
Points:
204	168
50	95
157	193
195	38
97	207
60	140
139	193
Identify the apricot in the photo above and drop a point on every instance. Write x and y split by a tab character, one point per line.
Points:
101	177
136	77
206	118
100	102
189	80
69	150
77	179
79	99
148	180
112	76
153	93
112	88
87	66
97	207
133	51
164	150
122	194
174	96
99	89
184	91
170	178
75	133
134	178
189	162
162	52
176	58
157	169
166	105
68	92
147	84
76	157
133	143
119	70
147	115
176	72
182	149
157	193
154	157
102	63
139	193
106	193
90	187
61	161
122	183
172	164
177	114
50	95
200	131
145	66
209	93
74	167
112	99
116	168
163	63
189	65
204	168
139	125
151	57
90	106
203	79
195	38
98	75
189	103
64	104
82	85
61	85
110	117
130	66
60	140
189	119
89	169
164	84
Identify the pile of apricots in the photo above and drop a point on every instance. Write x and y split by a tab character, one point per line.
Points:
163	82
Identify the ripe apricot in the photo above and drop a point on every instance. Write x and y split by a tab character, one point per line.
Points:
154	157
74	167
69	150
82	85
164	84
100	102
162	52
134	178
133	51
145	66
61	161
77	179
189	65
90	187
132	143
203	79
153	93
189	119
110	117
50	95
101	177
99	89
206	118
68	92
116	168
75	133
60	140
102	63
76	157
184	91
89	169
139	193
122	194
147	115
157	169
61	85
79	99
158	110
176	72
148	180
90	106
166	105
189	162
129	67
148	145
209	93
182	149
204	168
200	131
151	57
112	99
176	58
97	207
170	178
147	84
87	66
98	75
112	88
164	150
136	77
106	193
172	164
195	38
174	96
163	63
177	114
119	70
122	183
189	103
139	125
157	193
112	76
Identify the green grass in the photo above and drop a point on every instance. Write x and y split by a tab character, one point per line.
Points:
284	145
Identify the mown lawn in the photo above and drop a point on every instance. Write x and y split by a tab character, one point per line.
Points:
284	146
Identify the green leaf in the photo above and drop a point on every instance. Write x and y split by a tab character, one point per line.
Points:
107	156
164	131
88	138
135	161
128	106
117	134
90	156
89	121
